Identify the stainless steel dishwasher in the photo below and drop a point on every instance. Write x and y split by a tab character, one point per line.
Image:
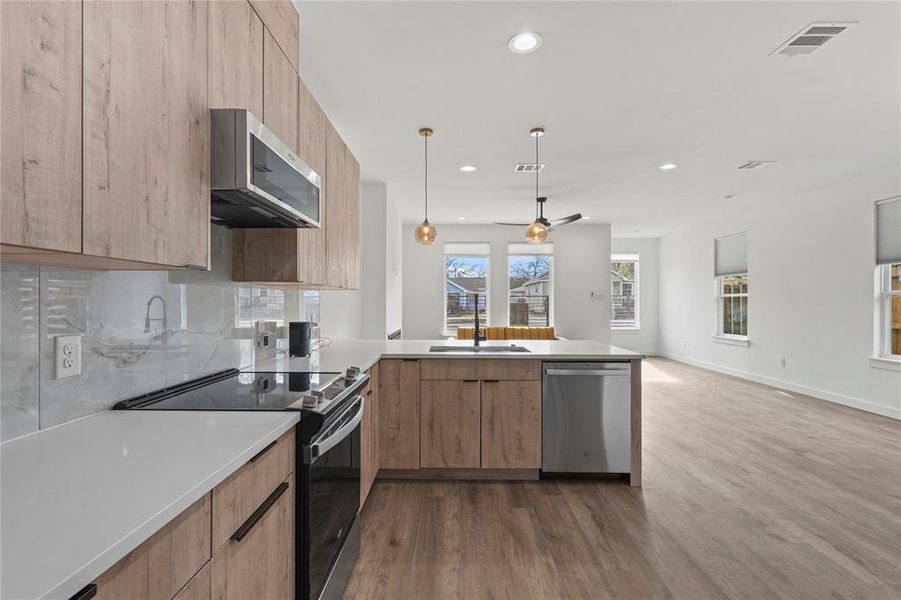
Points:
586	417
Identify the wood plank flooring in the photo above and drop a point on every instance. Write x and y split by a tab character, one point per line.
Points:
749	492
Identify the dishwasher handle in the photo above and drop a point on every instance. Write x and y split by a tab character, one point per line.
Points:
618	372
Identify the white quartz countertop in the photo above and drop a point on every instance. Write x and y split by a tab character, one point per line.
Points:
79	497
340	354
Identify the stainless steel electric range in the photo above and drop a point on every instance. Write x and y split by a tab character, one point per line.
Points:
328	457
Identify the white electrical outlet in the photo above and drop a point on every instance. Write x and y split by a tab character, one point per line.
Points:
67	356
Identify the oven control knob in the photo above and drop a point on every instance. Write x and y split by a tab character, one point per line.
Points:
311	401
319	394
352	373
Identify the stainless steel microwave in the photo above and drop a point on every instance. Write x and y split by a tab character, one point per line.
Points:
256	179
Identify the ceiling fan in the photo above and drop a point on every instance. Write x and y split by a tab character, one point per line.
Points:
537	230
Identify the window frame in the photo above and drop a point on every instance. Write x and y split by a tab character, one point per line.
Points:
550	284
718	300
885	293
636	291
487	257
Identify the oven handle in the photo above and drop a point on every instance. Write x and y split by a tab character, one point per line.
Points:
323	444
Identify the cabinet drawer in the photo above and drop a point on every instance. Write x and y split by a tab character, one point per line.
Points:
481	368
159	567
259	562
235	499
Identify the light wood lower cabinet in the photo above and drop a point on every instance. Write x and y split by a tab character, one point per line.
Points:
261	563
200	586
449	430
460	414
511	424
399	414
369	435
158	568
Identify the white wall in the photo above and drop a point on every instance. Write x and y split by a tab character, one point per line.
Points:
394	257
581	268
644	339
811	263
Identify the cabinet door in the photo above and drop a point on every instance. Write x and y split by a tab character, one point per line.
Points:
511	424
312	142
236	57
366	440
200	586
399	414
337	227
146	150
280	17
261	564
279	93
41	123
450	424
352	219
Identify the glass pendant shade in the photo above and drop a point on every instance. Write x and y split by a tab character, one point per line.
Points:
536	233
426	233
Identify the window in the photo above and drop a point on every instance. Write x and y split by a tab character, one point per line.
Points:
731	271
733	305
888	286
530	288
465	285
624	288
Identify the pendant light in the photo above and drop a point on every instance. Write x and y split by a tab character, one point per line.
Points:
426	233
536	232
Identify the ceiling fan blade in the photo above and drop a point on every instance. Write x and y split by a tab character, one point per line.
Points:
513	224
565	220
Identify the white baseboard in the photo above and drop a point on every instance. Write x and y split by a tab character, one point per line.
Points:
865	405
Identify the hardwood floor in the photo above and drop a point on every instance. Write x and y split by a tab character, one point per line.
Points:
749	492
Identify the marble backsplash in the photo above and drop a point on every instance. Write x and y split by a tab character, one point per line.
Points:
208	327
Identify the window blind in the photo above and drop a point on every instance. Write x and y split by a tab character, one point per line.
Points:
888	231
731	254
531	249
467	248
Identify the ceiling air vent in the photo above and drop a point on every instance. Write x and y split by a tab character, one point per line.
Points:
756	164
810	38
529	167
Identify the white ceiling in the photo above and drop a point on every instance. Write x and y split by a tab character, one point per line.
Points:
621	87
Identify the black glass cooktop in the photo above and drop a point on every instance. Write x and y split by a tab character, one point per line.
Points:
232	390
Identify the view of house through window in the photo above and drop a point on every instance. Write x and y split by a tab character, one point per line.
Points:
530	285
624	291
733	305
891	310
465	285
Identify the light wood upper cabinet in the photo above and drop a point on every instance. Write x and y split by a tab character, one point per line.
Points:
236	57
511	424
335	209
280	18
146	128
261	564
40	165
399	414
352	216
449	436
280	110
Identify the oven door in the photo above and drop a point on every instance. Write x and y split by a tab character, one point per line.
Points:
331	474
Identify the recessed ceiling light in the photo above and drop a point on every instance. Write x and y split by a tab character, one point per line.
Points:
525	42
585	218
461	218
468	168
756	164
730	196
667	166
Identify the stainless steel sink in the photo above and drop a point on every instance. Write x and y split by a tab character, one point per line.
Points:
479	349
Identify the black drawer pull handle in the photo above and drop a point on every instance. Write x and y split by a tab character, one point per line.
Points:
85	593
369	393
244	529
470	381
410	359
263	451
489	381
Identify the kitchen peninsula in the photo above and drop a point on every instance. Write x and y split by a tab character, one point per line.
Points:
460	414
